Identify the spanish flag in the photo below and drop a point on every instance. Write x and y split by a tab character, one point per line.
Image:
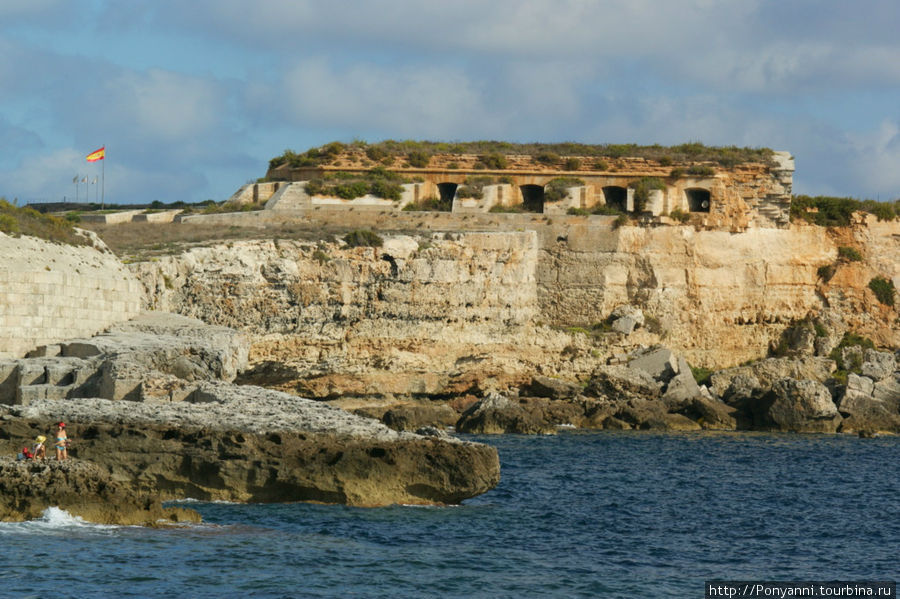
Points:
97	155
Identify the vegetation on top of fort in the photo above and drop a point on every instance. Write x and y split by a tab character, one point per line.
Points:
836	212
493	153
378	182
17	221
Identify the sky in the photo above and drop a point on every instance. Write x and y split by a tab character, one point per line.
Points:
192	99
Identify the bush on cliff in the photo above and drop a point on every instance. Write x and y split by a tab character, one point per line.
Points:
27	221
363	238
884	290
830	211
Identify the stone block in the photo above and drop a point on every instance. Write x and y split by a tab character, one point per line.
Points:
625	325
8	381
878	365
80	349
660	363
44	351
30	373
26	394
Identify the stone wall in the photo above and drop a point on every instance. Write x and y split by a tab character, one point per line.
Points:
735	198
51	292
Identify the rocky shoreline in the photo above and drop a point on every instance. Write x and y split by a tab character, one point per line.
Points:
147	405
654	389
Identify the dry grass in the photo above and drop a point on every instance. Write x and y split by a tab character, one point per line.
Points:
136	242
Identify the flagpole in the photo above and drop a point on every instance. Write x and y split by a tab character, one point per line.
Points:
103	181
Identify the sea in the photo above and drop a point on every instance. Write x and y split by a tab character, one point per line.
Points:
578	514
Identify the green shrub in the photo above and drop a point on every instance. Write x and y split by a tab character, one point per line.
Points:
577	212
642	188
453	165
665	161
601	165
557	189
620	221
376	153
572	164
830	211
849	340
701	171
320	256
606	209
515	208
27	221
826	271
701	374
849	254
494	161
363	238
676	172
883	289
429	205
418	158
546	157
680	215
8	224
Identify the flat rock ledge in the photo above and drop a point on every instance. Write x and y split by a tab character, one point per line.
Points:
239	443
83	489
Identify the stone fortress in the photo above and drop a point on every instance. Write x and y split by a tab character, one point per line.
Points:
750	194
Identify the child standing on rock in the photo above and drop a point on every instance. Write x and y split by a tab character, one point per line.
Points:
62	443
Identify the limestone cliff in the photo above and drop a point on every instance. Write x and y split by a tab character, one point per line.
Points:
449	313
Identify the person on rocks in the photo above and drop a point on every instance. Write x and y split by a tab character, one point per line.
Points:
39	452
62	443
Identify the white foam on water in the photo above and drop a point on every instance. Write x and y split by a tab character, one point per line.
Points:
53	519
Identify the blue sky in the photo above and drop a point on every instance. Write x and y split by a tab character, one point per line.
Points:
193	98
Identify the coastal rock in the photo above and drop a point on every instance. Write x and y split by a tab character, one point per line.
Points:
866	412
878	365
551	388
415	416
801	406
660	363
250	444
771	370
620	382
496	414
714	415
83	489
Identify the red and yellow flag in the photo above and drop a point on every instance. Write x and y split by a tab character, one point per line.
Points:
97	155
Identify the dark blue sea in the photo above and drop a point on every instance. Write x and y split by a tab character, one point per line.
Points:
576	515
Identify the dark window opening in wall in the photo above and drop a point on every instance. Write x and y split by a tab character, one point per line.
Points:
533	198
616	197
448	192
698	199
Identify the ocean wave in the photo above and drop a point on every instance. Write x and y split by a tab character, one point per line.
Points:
54	519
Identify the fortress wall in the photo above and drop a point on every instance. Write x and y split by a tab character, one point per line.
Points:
52	292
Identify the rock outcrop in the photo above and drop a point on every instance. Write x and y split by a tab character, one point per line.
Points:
168	425
84	489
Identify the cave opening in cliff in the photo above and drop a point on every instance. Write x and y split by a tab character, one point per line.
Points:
616	197
698	199
533	198
448	192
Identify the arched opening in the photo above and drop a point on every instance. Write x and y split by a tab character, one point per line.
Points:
448	192
698	199
616	197
533	198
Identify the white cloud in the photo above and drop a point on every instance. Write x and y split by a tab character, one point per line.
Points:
409	100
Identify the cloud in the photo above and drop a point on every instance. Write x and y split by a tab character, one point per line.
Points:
411	101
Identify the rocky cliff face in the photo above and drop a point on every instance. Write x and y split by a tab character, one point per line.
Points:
452	313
